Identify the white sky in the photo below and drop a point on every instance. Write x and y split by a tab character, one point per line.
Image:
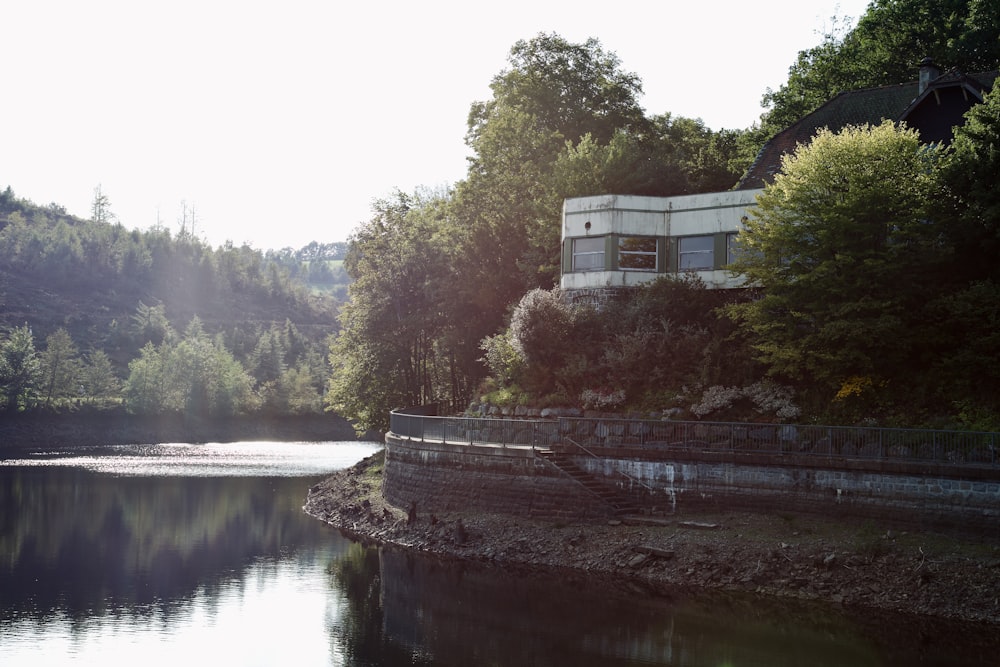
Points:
280	122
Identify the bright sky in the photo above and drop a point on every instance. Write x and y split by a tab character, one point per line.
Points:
280	122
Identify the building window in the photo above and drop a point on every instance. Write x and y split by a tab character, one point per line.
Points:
695	253
588	254
637	253
733	248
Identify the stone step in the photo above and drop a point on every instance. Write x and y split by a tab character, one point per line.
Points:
619	504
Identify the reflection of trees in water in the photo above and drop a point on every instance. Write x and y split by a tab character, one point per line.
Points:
84	542
402	609
358	629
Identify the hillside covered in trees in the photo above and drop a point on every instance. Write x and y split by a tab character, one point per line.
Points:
453	299
883	313
101	316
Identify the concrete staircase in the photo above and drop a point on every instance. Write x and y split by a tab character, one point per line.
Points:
618	501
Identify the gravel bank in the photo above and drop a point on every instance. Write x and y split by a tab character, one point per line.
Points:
855	564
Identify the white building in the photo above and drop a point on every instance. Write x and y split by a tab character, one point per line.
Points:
612	241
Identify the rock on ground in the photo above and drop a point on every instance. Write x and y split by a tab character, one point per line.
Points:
847	562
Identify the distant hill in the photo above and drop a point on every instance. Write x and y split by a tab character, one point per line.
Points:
61	271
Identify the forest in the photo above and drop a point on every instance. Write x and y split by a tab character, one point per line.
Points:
96	316
452	300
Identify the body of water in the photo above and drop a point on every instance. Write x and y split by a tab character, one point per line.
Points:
182	554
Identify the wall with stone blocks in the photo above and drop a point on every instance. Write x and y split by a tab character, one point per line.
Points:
930	501
440	477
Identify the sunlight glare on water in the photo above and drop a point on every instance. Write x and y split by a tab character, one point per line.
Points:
274	612
235	459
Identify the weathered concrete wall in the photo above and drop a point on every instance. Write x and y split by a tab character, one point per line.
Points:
442	477
926	500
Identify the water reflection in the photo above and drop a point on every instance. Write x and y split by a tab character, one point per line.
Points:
82	543
408	610
105	561
403	609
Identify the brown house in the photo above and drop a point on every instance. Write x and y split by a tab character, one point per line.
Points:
933	105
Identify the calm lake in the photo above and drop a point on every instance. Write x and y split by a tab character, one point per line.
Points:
187	555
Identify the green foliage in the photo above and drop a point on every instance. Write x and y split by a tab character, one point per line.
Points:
565	88
146	387
101	386
60	369
565	121
640	350
884	48
396	343
501	358
972	207
150	324
539	327
434	277
78	282
848	257
193	376
20	370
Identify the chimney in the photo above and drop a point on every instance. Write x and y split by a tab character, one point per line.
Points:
928	72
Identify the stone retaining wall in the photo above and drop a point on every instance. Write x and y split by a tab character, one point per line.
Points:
440	477
903	498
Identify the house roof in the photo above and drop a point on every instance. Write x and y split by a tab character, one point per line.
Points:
902	102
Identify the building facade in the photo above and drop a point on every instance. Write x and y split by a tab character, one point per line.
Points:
615	241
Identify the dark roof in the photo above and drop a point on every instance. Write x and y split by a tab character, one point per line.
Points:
872	106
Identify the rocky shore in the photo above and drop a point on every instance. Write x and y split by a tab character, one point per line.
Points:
854	564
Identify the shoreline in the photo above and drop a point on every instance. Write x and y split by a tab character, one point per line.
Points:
116	427
851	563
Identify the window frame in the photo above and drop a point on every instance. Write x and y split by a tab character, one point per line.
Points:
624	255
592	255
708	253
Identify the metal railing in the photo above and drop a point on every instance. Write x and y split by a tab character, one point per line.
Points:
534	433
974	448
854	442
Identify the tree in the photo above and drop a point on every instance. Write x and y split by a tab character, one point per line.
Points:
972	206
195	376
100	384
884	48
146	387
150	323
846	256
569	89
966	366
20	371
540	326
60	368
554	93
100	207
267	362
393	350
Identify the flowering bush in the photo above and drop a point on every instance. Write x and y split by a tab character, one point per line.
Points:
766	398
769	398
600	399
716	398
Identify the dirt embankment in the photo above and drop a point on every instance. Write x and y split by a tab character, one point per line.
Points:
856	564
